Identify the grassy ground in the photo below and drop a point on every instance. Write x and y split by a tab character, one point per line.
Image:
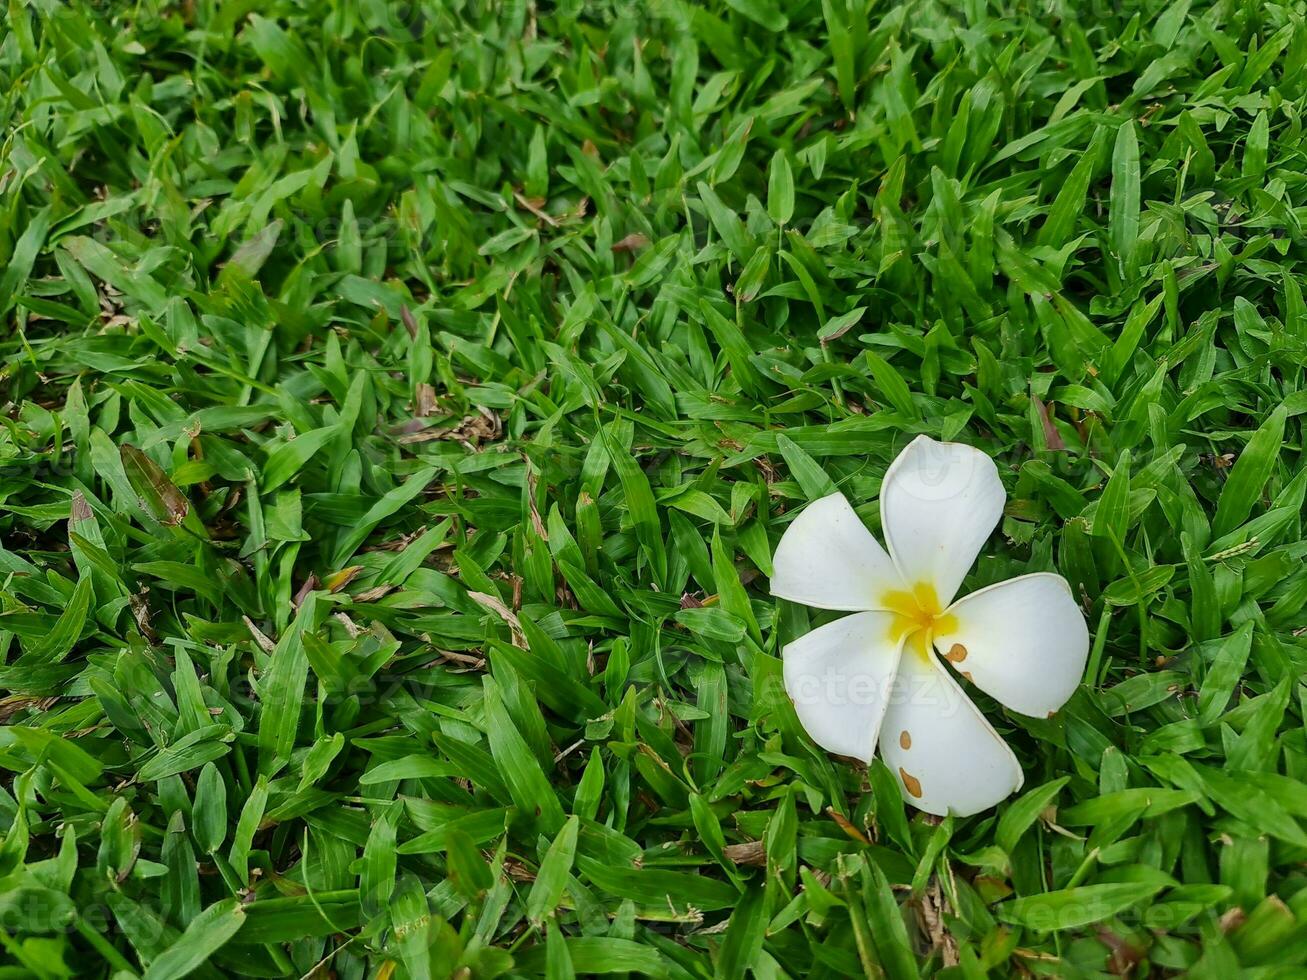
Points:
401	403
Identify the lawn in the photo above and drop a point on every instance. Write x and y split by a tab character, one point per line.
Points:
402	404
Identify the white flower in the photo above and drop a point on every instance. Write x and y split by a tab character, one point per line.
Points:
874	676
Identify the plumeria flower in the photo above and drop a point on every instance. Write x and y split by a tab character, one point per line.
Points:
876	677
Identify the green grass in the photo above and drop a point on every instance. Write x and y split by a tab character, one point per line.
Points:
401	402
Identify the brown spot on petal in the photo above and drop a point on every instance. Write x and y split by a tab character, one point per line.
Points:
905	740
956	654
967	675
911	783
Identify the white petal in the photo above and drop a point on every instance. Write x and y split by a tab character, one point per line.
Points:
827	558
945	754
1023	641
839	678
938	503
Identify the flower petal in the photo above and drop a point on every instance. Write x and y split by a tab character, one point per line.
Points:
1023	641
827	558
839	678
945	754
938	503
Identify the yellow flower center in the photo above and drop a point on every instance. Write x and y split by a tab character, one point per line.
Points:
918	617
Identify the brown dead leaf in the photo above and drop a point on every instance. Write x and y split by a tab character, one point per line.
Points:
1124	956
845	826
374	593
81	510
931	912
10	706
425	401
141	613
516	870
463	659
496	606
631	243
351	627
1051	435
532	483
303	591
751	854
338	580
259	636
470	432
1232	919
536	205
